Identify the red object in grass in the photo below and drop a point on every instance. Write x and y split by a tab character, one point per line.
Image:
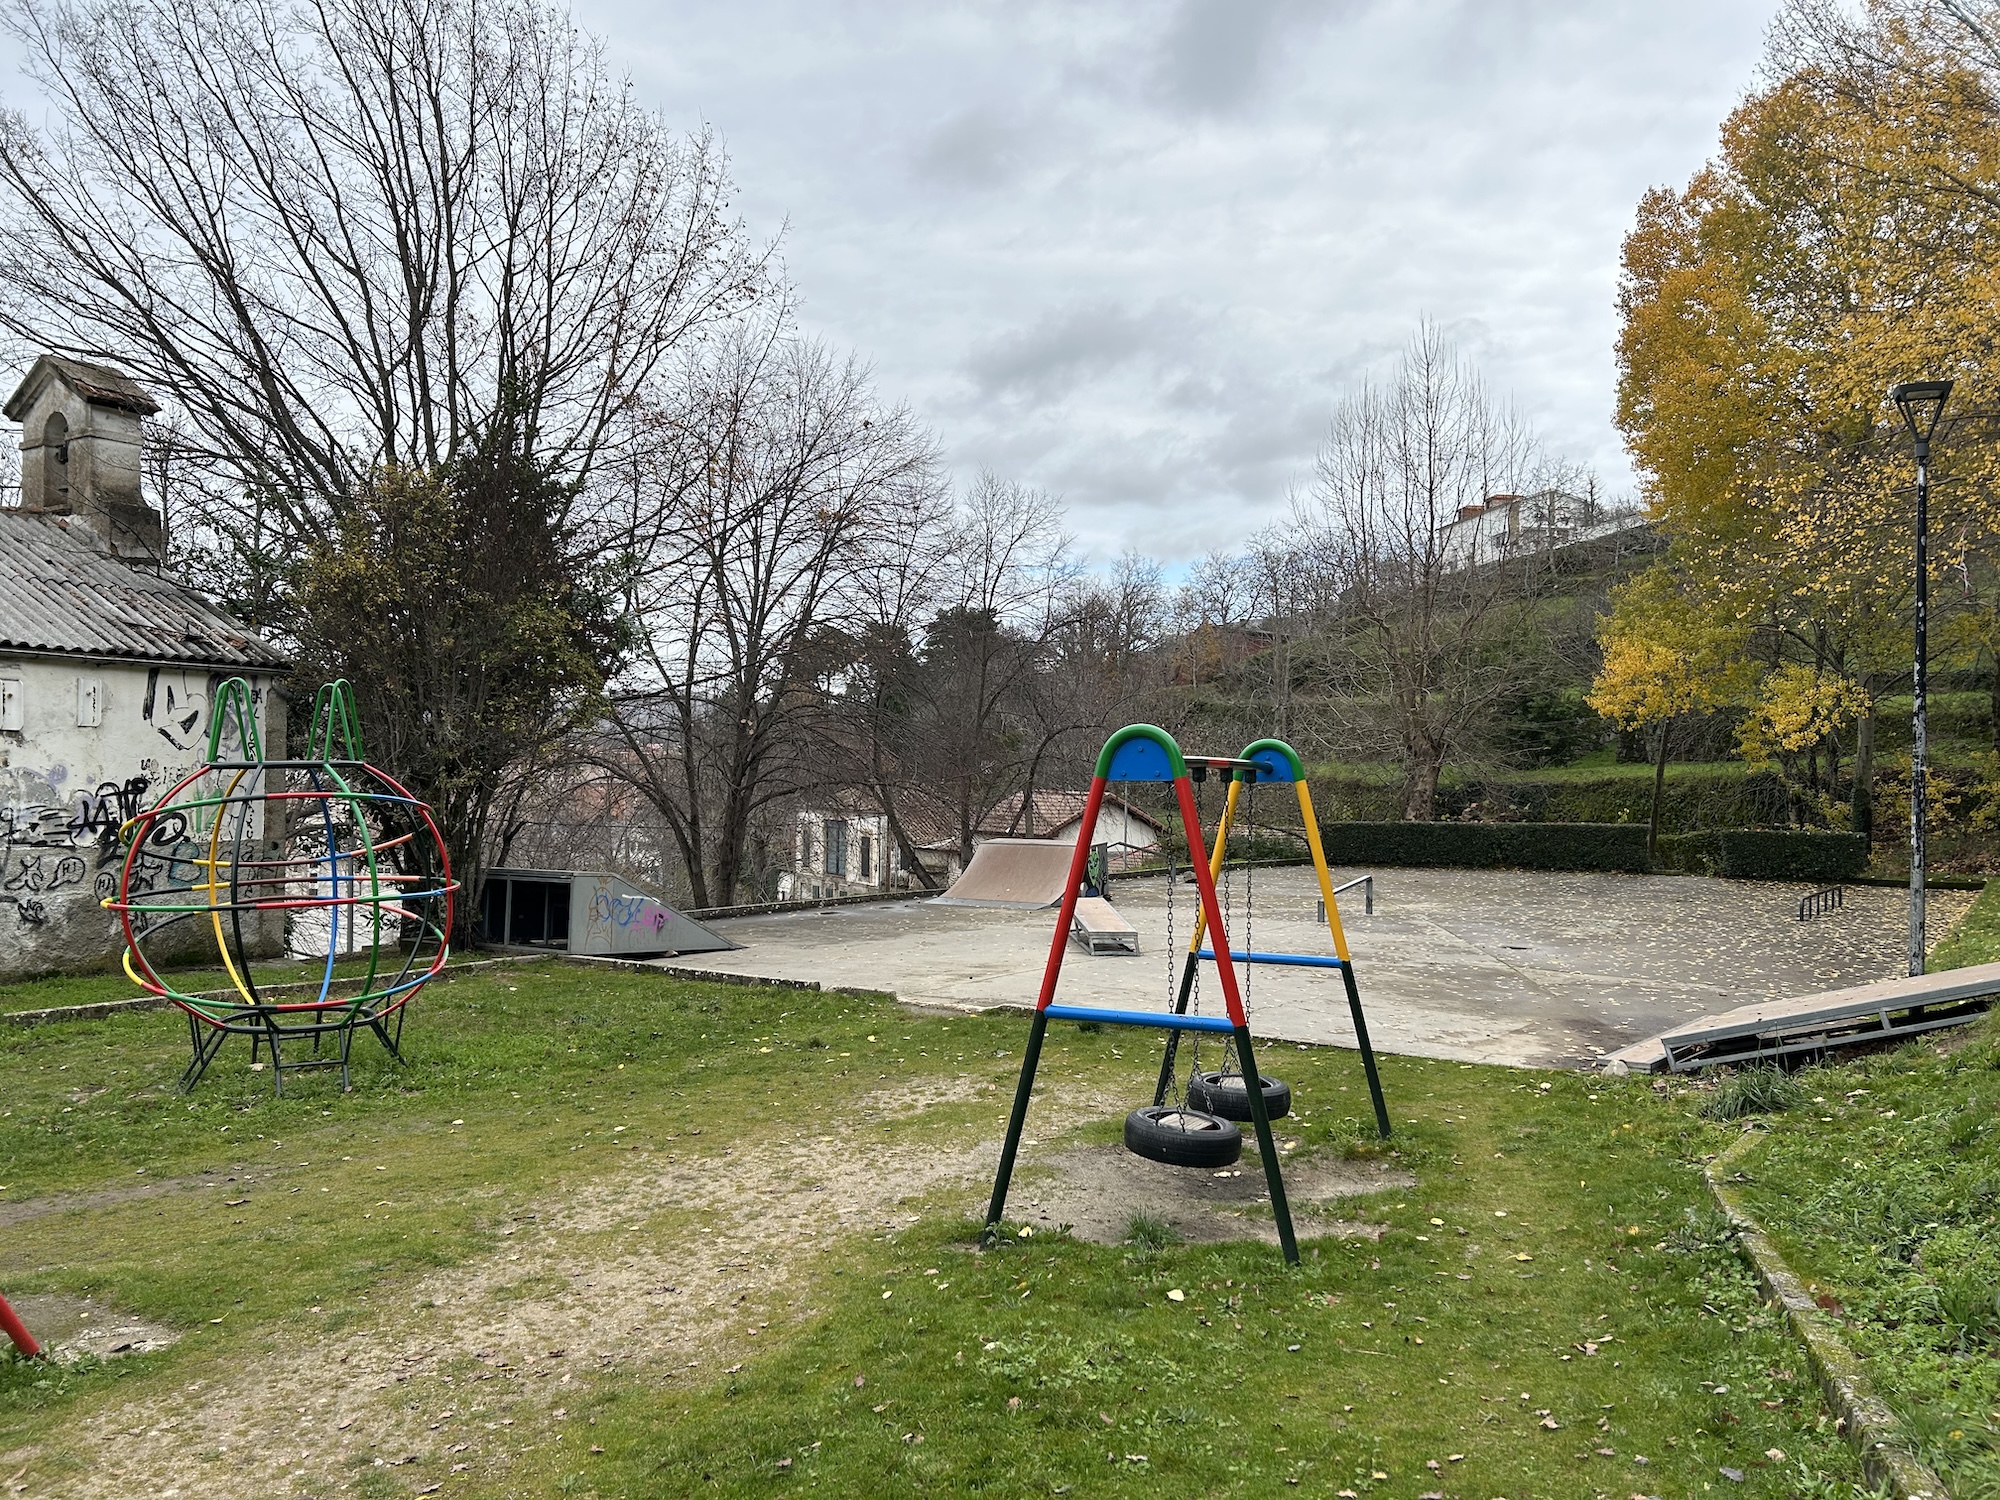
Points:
15	1329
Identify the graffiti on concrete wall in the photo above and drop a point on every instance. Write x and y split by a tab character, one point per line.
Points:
177	702
625	914
50	847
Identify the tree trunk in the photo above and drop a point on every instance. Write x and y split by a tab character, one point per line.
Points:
1864	776
1420	786
1659	791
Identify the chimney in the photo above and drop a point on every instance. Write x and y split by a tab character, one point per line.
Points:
80	446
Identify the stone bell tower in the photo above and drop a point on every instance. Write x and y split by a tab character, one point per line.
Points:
80	448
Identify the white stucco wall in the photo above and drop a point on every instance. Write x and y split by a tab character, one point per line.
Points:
809	878
65	787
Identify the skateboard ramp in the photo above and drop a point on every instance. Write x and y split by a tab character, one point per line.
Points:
1022	873
1774	1029
589	912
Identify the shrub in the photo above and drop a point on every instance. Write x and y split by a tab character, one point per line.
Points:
1487	846
1754	1091
1150	1232
1806	855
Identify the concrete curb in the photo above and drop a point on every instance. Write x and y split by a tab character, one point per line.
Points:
749	981
1870	1426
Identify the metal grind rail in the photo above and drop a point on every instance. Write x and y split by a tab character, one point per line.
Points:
1367	884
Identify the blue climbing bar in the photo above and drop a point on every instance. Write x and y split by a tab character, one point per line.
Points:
1294	960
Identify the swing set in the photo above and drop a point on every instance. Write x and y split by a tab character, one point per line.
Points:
1195	1126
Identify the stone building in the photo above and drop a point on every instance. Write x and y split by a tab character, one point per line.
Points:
107	666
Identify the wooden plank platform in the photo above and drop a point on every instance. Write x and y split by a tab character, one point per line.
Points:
1886	1009
1098	928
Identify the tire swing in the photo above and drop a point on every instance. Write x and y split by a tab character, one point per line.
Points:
1221	1092
1176	1134
1184	1132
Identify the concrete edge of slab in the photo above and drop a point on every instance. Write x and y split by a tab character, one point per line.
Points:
1865	1419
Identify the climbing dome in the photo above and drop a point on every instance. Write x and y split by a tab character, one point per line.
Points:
248	858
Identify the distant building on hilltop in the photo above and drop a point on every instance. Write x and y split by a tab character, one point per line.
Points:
1505	526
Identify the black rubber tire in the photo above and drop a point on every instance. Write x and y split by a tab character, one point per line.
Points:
1182	1137
1224	1094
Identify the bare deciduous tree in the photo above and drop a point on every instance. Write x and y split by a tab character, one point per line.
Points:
771	488
1012	574
1435	639
352	233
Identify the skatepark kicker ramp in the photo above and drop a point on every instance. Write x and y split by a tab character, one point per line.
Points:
1021	873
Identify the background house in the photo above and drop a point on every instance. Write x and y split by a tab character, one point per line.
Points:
842	845
107	668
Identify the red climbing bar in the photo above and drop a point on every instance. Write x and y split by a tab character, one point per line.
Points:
1078	863
15	1329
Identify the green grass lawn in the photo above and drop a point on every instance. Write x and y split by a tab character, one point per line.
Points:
1552	1301
1881	1183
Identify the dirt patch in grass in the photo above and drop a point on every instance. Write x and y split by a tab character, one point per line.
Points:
72	1328
1099	1190
14	1214
673	1271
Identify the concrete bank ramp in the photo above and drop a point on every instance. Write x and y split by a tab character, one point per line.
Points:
1883	1011
1021	873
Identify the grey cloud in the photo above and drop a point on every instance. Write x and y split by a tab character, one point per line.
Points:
1062	348
975	149
1217	52
1132	251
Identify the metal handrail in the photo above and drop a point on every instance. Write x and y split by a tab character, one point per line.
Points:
1368	895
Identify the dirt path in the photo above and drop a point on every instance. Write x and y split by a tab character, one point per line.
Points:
678	1270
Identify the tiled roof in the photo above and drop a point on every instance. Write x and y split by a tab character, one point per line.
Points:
1050	812
59	593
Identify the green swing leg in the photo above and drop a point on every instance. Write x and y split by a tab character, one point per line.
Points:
1281	1209
1015	1124
1367	1051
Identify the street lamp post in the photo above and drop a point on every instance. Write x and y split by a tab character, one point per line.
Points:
1921	402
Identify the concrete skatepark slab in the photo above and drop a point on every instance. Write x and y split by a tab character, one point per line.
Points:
1516	967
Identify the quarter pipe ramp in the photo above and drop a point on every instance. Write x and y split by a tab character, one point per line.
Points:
1022	873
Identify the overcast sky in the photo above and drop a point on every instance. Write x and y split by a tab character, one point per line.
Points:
1132	252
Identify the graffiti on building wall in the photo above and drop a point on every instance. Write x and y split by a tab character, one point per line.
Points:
177	704
70	849
63	844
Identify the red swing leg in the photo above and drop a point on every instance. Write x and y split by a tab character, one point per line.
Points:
17	1331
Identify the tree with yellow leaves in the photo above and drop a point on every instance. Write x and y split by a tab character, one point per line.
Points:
1846	236
1664	657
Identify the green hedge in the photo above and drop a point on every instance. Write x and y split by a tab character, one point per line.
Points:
1812	857
1695	797
1521	846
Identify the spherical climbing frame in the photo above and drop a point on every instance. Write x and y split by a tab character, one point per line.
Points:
326	839
1144	752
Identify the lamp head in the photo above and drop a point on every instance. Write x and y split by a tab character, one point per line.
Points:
1921	402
